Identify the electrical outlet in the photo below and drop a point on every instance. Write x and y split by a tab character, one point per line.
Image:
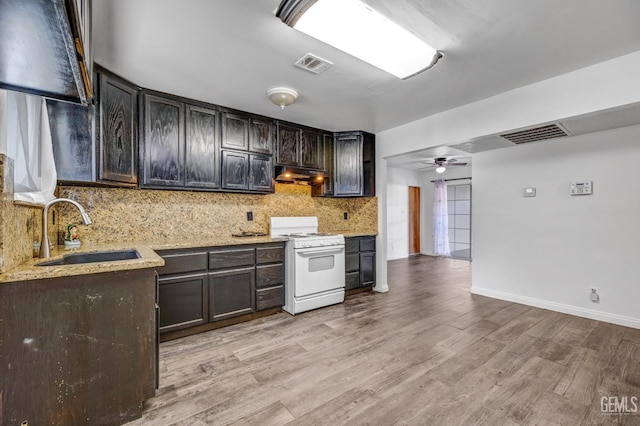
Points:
345	216
594	295
249	216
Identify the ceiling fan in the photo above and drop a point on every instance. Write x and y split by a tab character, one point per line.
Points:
441	164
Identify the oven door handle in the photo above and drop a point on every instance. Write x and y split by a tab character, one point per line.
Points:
310	252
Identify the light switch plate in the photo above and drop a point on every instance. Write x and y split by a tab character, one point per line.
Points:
529	192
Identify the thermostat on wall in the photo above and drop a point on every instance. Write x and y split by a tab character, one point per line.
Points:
581	188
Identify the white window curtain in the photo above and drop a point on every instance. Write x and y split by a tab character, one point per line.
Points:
440	220
25	137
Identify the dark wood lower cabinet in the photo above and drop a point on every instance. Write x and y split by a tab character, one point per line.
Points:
218	285
360	262
231	293
183	301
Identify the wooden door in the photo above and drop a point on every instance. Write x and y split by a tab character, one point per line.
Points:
414	220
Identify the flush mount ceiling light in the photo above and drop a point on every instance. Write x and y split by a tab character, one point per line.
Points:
357	29
282	96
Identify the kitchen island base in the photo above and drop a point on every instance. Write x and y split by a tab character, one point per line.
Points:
78	350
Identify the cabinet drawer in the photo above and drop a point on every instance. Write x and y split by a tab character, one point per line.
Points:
269	255
351	262
269	275
351	245
269	298
352	280
175	263
231	258
368	244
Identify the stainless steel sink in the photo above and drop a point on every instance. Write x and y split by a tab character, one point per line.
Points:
93	257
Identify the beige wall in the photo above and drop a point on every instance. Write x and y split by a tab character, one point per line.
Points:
163	216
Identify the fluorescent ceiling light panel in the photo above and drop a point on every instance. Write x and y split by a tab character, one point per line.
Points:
357	29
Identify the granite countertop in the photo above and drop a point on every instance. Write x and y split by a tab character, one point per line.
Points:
148	257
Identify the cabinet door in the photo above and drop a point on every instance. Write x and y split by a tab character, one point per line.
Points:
72	138
235	170
183	302
118	130
261	136
235	131
288	153
202	151
367	268
260	173
311	150
163	142
231	293
328	164
348	171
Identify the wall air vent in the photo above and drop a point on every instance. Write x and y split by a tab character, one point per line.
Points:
536	134
313	63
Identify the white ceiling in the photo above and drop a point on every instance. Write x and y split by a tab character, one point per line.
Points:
229	52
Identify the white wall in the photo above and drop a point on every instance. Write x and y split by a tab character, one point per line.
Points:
549	250
398	183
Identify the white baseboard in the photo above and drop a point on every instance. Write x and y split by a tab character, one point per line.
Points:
559	307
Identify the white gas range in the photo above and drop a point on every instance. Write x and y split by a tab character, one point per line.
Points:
314	264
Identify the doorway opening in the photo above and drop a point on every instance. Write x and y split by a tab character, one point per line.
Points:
414	220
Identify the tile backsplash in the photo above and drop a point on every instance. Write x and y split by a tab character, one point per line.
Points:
157	216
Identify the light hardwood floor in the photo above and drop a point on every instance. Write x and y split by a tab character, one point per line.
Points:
426	353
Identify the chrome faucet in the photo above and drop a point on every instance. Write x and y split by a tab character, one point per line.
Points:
45	251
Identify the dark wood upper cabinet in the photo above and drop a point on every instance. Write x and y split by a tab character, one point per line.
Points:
354	173
163	144
117	129
98	143
260	173
326	189
348	173
311	148
235	170
235	131
202	149
288	150
261	136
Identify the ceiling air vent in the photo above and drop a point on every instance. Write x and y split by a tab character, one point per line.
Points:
313	63
536	134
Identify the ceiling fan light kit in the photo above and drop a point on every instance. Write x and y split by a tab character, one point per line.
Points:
343	24
282	96
441	163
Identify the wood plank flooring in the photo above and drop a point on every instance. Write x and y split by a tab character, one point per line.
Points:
425	353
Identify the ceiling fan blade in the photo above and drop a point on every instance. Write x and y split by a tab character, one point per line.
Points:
457	164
